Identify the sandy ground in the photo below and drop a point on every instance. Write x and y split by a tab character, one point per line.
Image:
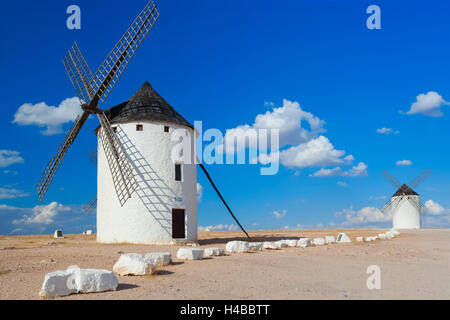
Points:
414	265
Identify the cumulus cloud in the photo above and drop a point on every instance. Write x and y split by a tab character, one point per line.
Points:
433	208
428	104
199	192
363	216
387	131
9	157
48	117
356	171
316	152
342	184
279	214
404	163
219	227
43	214
6	192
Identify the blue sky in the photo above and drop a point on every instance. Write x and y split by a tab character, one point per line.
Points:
225	63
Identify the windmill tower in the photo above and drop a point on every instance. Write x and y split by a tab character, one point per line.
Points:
143	197
404	205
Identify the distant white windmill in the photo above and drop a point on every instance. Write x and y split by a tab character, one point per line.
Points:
404	204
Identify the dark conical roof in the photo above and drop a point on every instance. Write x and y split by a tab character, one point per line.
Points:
405	190
145	104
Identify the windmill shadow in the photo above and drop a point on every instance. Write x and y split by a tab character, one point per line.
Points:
152	191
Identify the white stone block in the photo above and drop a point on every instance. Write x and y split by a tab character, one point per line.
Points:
319	241
291	243
134	264
330	239
255	246
160	259
382	236
190	254
281	243
304	242
271	245
360	239
88	232
211	252
343	238
75	280
237	246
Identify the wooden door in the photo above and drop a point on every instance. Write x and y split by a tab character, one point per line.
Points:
178	224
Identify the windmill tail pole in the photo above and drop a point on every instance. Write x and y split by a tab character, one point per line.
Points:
223	200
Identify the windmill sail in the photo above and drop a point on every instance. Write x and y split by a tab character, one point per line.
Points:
121	170
54	163
115	63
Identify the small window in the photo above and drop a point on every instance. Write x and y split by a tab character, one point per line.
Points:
178	172
139	127
166	129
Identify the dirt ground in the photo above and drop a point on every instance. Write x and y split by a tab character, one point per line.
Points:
414	265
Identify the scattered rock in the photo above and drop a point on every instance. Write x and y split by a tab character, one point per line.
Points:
319	241
75	280
134	264
210	252
190	254
4	270
255	246
160	259
120	252
290	243
237	246
281	243
9	248
46	261
304	242
271	245
360	239
382	236
343	238
330	239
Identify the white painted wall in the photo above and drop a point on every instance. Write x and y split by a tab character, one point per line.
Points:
146	218
406	215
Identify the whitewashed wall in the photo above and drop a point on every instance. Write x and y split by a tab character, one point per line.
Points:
406	215
146	218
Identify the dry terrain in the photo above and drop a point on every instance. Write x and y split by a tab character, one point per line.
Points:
414	265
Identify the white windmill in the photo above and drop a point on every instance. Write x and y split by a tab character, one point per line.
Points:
143	196
404	205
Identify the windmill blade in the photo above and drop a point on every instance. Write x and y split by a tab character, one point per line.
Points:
54	163
79	73
415	204
391	179
115	63
91	205
420	178
391	205
93	156
119	165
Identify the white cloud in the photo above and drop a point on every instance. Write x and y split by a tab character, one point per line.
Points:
316	152
387	131
342	184
428	104
364	216
9	157
199	192
219	227
49	117
279	214
433	208
43	214
11	193
356	171
404	163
